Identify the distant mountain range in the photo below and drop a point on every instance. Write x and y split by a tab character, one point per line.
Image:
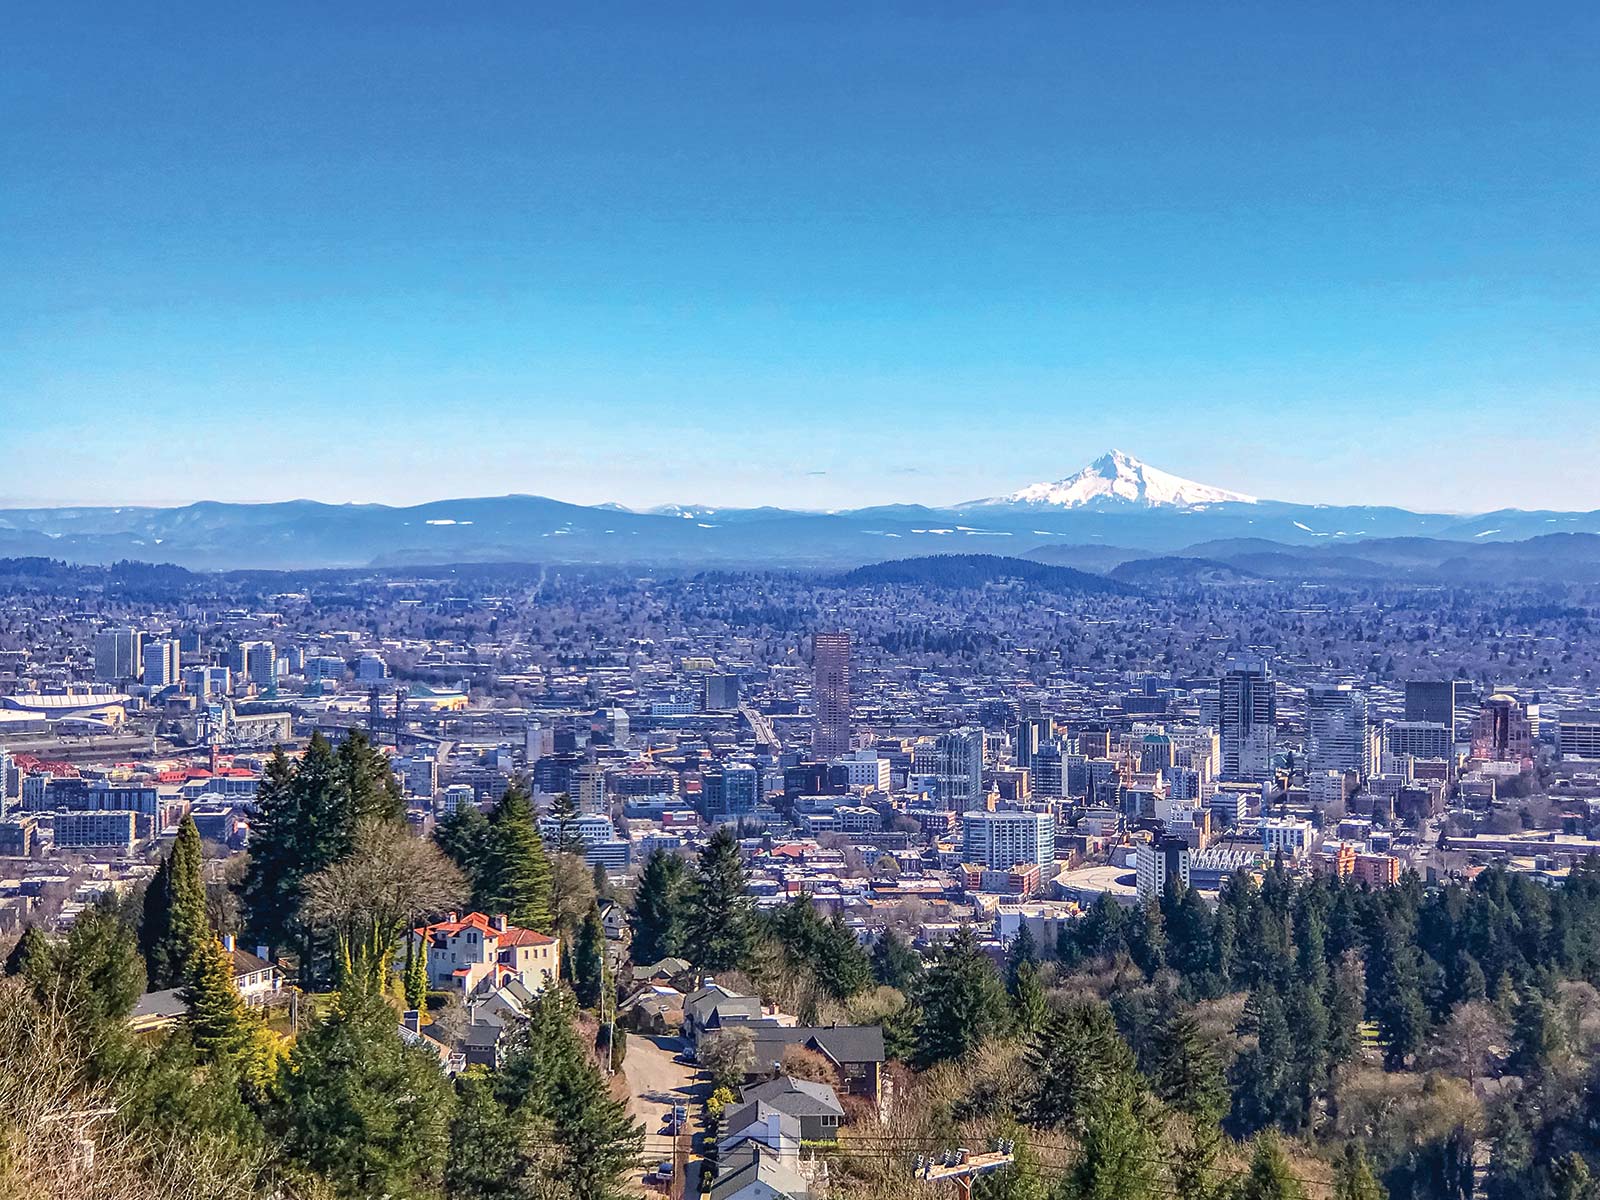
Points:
1113	512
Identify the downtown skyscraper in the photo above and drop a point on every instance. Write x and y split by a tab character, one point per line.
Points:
1247	718
830	692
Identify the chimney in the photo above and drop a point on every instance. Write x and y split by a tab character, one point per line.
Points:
498	921
227	943
453	916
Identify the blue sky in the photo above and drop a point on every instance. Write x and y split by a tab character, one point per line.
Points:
820	254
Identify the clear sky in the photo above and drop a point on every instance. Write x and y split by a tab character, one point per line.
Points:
808	254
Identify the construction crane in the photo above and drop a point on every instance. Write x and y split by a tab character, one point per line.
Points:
962	1166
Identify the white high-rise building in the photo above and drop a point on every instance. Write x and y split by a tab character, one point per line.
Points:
1157	863
161	667
1002	840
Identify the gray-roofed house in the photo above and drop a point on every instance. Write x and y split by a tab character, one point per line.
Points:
760	1122
753	1172
857	1050
815	1105
714	1006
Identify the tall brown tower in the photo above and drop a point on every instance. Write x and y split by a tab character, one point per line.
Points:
830	660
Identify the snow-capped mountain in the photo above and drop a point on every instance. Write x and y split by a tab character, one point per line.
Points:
1116	478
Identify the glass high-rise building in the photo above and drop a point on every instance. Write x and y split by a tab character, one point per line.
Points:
1247	717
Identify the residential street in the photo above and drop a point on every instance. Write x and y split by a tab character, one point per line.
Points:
655	1084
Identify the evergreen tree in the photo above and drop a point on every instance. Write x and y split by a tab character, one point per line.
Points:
1075	1059
659	909
369	1113
1269	1177
1570	1179
1394	989
1347	991
564	811
963	1002
416	976
1264	1086
155	929
366	782
28	958
589	960
219	1022
550	1078
720	926
1116	1158
188	929
93	977
895	963
1535	1035
1353	1178
490	1154
1030	1005
1188	1075
516	875
465	838
1020	951
303	823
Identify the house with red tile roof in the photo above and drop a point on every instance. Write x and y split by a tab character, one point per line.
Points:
478	953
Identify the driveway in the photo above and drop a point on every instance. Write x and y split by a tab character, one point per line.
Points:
655	1084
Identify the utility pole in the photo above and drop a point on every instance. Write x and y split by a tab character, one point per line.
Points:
962	1166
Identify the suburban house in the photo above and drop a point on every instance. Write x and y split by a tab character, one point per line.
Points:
758	1122
477	953
753	1172
714	1006
815	1105
856	1050
258	981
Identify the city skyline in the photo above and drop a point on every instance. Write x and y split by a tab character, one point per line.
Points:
822	260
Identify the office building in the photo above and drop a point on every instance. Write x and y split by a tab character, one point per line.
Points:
1435	701
1501	732
1578	734
370	668
1338	734
729	792
254	663
84	830
161	667
1247	714
1290	836
1001	840
721	693
1418	739
830	696
1156	753
1158	864
1047	772
954	761
118	655
1031	732
865	769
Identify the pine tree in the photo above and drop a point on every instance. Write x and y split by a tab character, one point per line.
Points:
1269	1177
589	960
93	977
363	1109
550	1077
1188	1075
895	963
516	878
720	928
564	811
1020	950
188	928
1264	1090
465	838
30	957
659	909
963	1002
219	1022
1353	1178
1535	1035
